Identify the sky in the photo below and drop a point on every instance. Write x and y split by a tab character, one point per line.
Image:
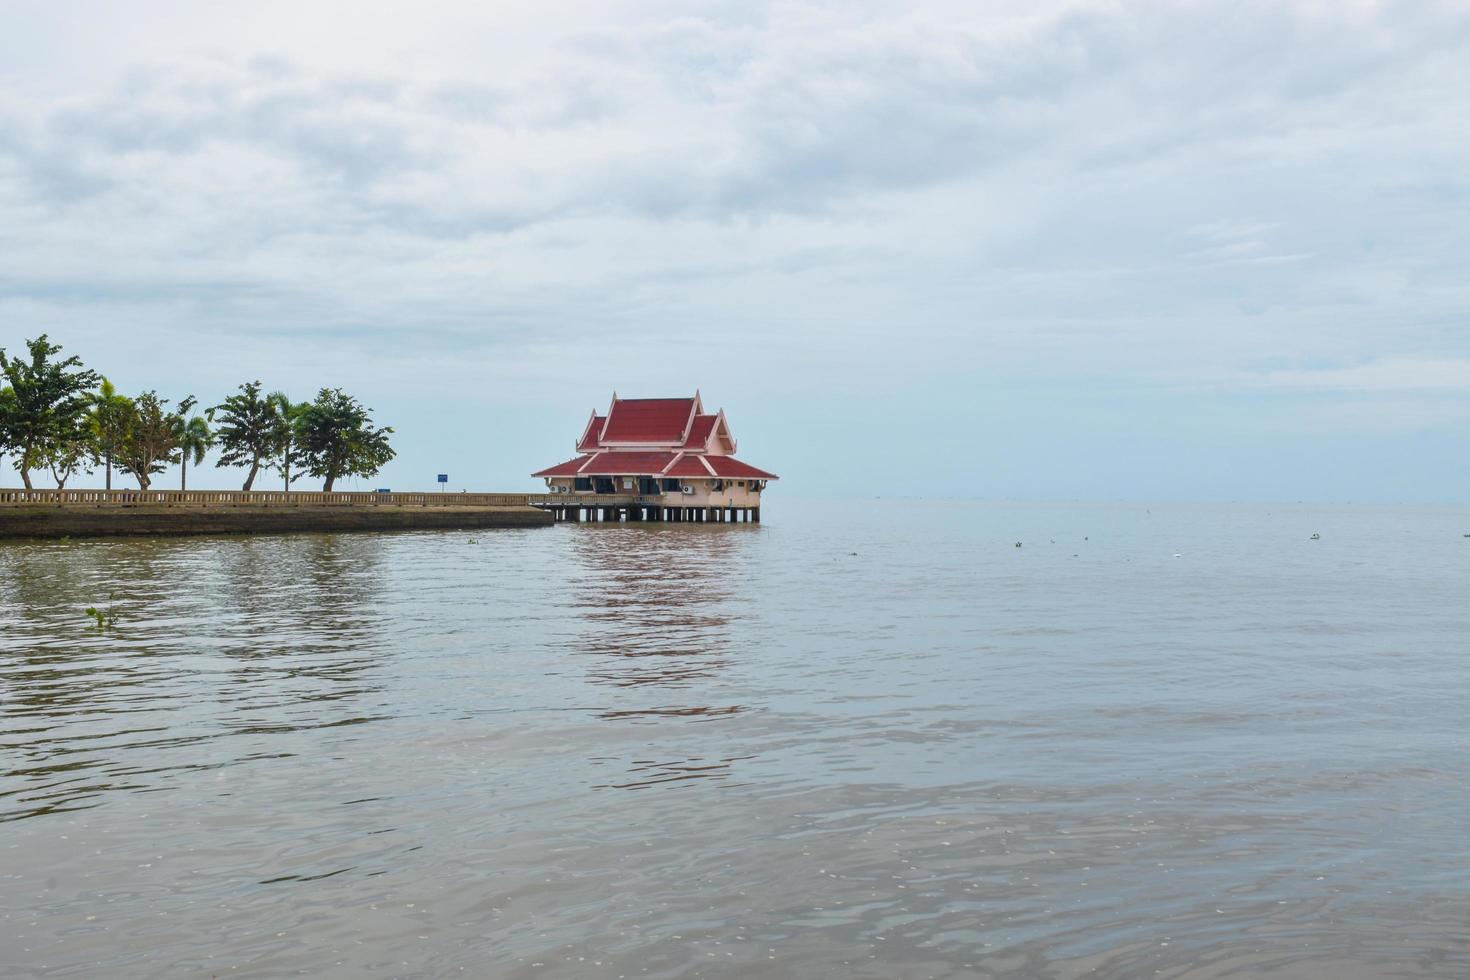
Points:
1031	250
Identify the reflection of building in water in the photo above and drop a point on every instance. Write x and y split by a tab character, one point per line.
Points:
659	617
656	611
657	459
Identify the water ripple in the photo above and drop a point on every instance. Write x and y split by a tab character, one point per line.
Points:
859	740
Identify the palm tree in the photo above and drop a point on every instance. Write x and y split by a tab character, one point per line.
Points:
194	440
108	422
290	414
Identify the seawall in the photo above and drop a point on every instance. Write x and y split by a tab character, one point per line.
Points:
100	514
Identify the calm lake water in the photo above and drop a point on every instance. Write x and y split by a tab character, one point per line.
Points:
863	739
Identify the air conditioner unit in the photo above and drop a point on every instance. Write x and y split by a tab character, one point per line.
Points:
687	489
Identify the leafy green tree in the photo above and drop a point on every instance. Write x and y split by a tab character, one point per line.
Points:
47	401
194	440
338	439
250	430
290	449
71	454
152	437
108	422
7	406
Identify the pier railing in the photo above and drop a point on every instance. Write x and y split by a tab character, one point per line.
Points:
256	498
312	498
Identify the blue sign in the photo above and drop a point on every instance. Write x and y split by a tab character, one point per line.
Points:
443	477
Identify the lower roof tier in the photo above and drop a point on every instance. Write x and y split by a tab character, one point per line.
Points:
682	465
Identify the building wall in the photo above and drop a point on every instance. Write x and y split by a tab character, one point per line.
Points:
735	493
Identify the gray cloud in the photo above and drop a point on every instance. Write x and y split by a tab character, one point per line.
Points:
1147	195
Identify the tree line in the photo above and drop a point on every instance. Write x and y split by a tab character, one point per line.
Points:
60	417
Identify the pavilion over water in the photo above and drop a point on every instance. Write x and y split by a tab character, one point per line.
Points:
657	459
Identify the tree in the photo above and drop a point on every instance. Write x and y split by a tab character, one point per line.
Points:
108	421
194	440
70	454
250	430
337	438
7	406
290	450
152	437
44	410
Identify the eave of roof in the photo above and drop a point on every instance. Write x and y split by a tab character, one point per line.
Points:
569	468
731	468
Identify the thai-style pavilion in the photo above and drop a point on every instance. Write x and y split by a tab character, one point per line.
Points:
656	459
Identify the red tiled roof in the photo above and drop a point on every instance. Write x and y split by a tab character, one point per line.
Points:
627	464
732	468
700	430
569	468
589	441
688	465
648	420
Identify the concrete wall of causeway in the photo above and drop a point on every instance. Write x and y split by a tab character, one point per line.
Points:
26	521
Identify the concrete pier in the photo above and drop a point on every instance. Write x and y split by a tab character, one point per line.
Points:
91	513
101	513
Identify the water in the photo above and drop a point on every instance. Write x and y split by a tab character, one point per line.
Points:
863	739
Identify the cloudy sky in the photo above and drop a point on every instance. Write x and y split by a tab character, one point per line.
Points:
1058	250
